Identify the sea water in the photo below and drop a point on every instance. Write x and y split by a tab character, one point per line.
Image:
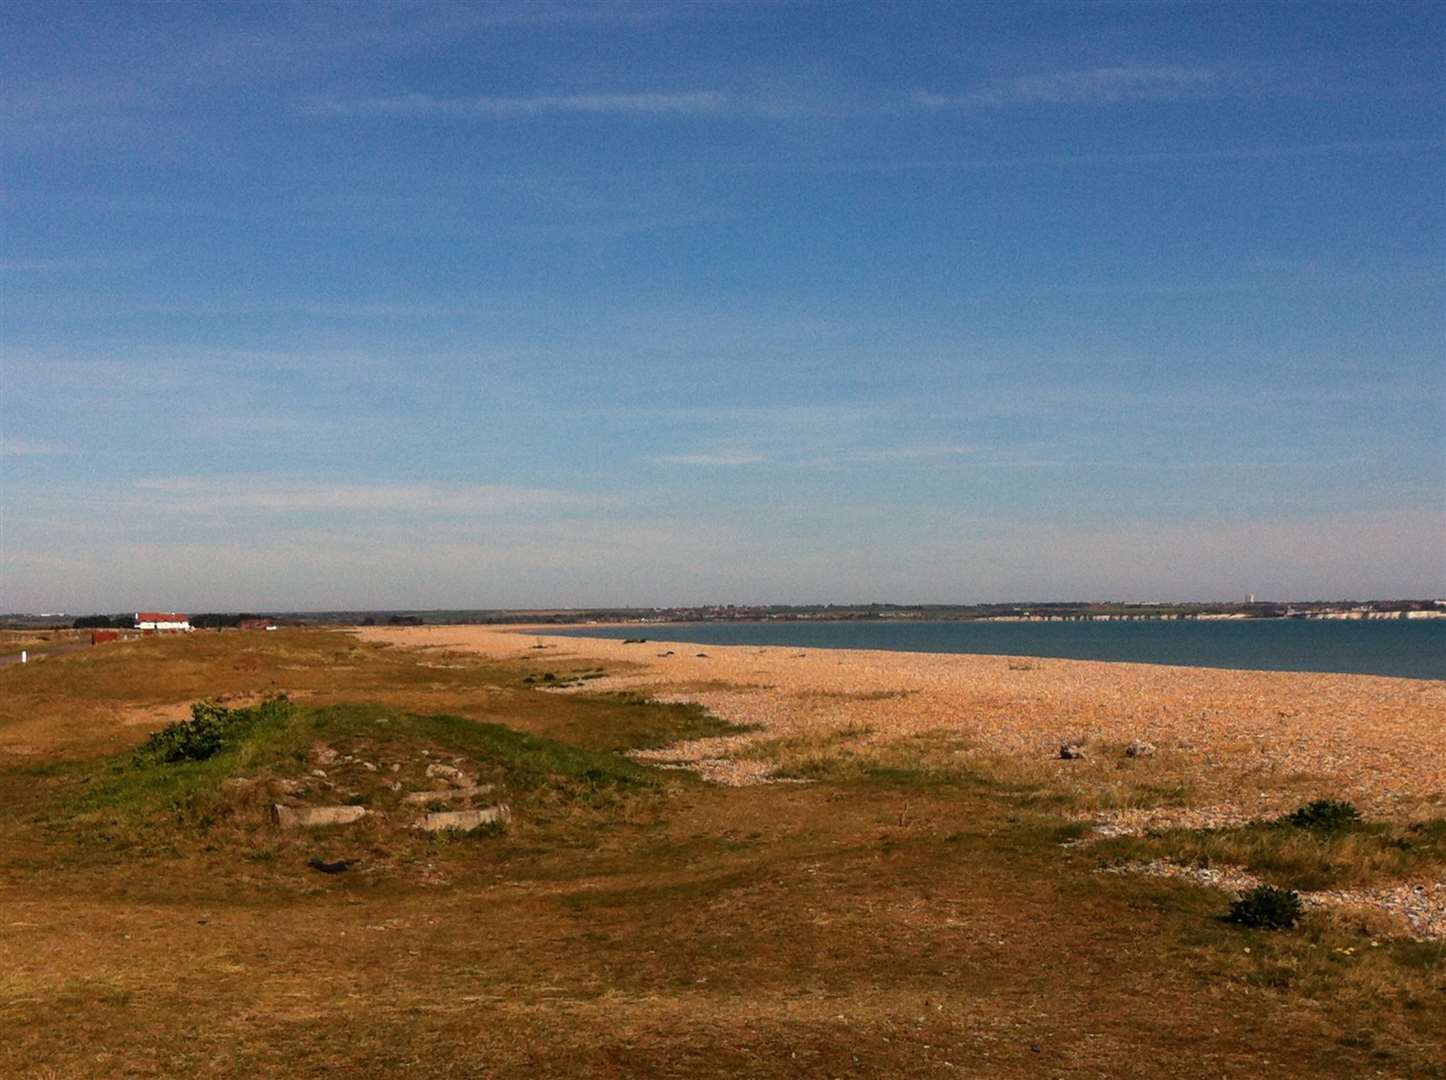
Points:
1407	648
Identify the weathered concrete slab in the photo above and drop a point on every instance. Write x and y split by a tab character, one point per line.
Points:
465	820
311	817
448	795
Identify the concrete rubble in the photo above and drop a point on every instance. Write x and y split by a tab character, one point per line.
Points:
422	797
311	817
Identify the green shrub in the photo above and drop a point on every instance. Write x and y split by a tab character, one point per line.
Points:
1266	908
211	729
1324	815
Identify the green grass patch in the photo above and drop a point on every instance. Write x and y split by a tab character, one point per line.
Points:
620	722
157	788
182	766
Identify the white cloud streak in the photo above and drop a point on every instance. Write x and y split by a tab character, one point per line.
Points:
204	495
934	452
1095	86
687	102
75	264
721	460
29	448
807	456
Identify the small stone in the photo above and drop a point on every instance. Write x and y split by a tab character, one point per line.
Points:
323	755
1140	749
444	772
1071	752
368	766
311	817
319	773
465	820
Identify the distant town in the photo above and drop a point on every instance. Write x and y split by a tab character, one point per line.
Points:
1050	611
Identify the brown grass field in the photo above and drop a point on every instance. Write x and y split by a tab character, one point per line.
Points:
922	897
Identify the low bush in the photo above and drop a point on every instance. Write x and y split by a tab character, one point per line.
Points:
1324	815
1267	908
211	729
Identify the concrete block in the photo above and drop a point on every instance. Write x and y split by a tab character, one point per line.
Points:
465	820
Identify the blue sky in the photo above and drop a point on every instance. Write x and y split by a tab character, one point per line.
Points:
327	306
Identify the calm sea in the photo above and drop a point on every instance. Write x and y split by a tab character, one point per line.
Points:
1414	649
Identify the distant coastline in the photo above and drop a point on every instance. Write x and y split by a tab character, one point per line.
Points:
1250	610
1392	647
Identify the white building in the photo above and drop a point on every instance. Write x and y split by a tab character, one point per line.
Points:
162	620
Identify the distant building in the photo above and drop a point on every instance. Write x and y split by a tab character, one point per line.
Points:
153	621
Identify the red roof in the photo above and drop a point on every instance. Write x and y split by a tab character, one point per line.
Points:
161	616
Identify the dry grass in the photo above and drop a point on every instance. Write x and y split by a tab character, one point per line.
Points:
39	642
910	912
1295	858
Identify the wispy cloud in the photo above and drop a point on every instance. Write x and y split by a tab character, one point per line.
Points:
265	424
805	453
932	452
1367	147
721	460
10	447
1094	86
190	494
71	264
685	102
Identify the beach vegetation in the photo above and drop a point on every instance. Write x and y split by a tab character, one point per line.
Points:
1324	815
211	728
1266	907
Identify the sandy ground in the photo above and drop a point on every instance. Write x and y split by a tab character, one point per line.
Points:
1243	736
